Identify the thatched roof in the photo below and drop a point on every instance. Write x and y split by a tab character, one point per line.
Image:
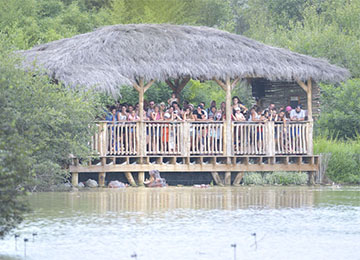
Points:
115	55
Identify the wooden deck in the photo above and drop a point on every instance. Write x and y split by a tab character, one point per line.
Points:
199	147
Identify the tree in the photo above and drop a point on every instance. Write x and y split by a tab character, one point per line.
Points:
340	114
41	125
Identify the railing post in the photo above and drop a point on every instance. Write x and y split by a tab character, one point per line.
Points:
141	138
310	149
103	136
224	137
270	138
138	139
185	144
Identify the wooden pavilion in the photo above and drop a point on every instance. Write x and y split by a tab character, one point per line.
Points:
141	54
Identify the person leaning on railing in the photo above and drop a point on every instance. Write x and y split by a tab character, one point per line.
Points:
297	114
199	114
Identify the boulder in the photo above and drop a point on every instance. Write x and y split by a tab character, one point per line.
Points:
91	183
116	184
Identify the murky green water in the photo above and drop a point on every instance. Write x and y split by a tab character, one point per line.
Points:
192	223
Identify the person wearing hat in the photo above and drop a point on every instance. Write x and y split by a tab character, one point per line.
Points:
297	114
238	115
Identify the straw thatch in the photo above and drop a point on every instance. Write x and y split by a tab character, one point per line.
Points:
116	55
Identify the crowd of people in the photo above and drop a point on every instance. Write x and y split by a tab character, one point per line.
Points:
173	111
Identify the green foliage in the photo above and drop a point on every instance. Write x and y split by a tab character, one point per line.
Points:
344	164
286	178
275	178
326	30
41	125
253	178
340	113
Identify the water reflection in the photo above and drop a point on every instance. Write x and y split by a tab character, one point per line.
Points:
150	200
188	223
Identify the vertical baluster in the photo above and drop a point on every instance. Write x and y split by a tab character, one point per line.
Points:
293	138
208	137
299	137
303	131
158	140
220	135
162	139
304	138
262	138
254	138
257	136
127	137
296	138
195	138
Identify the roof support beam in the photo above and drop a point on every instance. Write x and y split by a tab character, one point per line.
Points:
308	89
220	83
302	85
178	85
223	85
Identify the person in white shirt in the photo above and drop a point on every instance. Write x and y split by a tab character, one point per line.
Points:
297	114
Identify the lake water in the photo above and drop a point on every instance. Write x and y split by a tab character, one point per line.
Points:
191	223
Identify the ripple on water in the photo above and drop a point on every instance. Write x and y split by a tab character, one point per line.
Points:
290	223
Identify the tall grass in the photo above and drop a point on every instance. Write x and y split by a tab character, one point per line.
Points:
275	178
344	164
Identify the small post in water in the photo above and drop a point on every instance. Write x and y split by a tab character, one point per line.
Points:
234	246
16	237
25	240
134	255
34	235
254	234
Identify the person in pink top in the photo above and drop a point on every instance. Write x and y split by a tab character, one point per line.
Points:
156	115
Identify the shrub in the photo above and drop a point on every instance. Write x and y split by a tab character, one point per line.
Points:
344	162
286	178
253	178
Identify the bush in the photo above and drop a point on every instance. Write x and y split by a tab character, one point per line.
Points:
286	178
41	125
275	178
253	178
344	162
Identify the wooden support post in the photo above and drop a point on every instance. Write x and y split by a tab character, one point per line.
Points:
141	88
103	139
309	99
228	130
130	179
75	179
310	149
141	178
311	180
227	178
227	86
217	178
101	179
186	140
238	178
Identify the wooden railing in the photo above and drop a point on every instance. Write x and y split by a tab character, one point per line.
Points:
250	138
163	137
206	138
291	138
202	138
